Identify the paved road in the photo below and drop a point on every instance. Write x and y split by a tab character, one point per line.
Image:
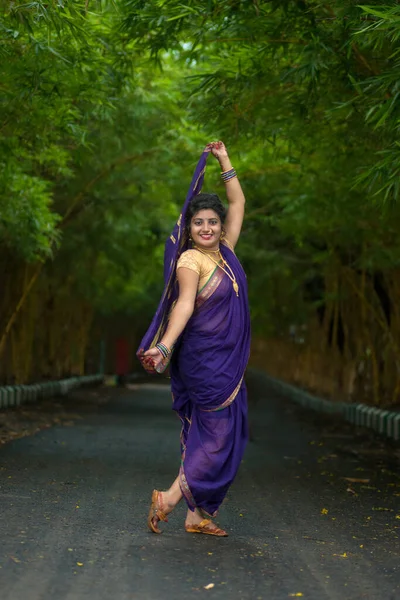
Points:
74	502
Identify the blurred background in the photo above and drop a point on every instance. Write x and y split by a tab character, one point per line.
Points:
105	108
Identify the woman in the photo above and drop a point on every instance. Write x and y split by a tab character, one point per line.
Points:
202	328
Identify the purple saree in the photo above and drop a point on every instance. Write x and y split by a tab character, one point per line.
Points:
207	370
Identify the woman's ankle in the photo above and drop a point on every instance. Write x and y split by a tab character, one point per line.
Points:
169	500
193	516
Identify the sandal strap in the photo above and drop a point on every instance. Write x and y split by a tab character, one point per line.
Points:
204	527
203	524
160	515
158	509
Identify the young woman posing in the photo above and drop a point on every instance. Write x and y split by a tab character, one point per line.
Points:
208	329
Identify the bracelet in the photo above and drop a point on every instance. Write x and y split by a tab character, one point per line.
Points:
227	175
162	348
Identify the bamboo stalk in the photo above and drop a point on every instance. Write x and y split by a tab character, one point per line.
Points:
377	317
75	202
20	304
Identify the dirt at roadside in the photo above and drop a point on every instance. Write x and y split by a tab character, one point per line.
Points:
28	419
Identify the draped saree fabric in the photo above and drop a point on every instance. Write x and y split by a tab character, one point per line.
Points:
177	243
208	390
207	370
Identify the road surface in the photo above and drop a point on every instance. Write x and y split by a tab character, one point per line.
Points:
74	502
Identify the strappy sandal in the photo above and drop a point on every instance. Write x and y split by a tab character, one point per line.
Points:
156	513
204	527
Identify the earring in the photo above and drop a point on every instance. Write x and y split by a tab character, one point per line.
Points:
223	234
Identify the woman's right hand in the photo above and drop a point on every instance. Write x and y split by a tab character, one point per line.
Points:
151	359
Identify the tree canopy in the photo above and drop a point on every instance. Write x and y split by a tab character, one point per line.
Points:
104	110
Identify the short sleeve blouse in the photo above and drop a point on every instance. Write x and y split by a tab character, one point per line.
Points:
198	262
190	260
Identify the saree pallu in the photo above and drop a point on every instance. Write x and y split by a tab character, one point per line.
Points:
209	393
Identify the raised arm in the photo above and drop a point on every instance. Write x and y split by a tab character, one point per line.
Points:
234	194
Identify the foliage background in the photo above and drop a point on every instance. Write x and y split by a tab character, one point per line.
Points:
104	110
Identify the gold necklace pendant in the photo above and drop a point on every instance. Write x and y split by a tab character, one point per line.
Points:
231	275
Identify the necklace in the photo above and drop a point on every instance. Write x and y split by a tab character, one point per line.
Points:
230	273
207	251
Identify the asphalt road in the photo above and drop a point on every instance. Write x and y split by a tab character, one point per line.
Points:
74	501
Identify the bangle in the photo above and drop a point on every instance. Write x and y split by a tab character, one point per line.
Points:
227	175
163	349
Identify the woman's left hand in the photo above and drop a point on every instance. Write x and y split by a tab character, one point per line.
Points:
217	149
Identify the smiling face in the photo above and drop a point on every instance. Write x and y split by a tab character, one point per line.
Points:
206	228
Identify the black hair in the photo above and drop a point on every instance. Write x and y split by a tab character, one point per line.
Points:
205	201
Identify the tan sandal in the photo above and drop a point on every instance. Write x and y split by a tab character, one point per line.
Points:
156	513
204	527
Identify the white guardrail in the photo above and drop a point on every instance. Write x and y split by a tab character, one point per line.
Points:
383	421
14	395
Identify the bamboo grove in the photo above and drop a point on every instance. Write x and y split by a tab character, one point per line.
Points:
104	110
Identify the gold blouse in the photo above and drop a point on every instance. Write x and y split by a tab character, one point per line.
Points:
200	263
